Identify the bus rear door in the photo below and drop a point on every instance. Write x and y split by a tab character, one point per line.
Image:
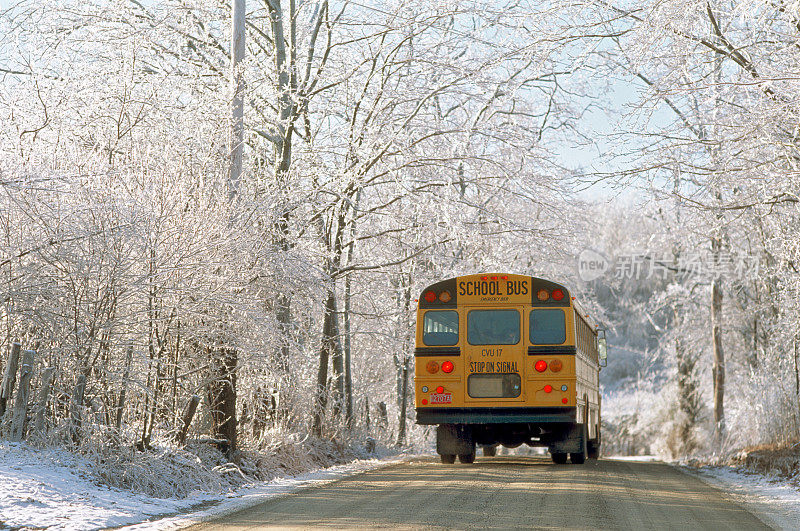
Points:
494	352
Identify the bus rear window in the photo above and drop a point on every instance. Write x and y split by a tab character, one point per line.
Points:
493	327
548	327
494	385
440	327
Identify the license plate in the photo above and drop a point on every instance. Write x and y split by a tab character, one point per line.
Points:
445	398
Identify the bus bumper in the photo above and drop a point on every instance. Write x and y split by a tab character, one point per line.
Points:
532	415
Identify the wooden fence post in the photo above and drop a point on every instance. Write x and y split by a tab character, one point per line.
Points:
188	415
19	417
44	396
10	377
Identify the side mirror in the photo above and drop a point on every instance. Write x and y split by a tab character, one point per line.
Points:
602	348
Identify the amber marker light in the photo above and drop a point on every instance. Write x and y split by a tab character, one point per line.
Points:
432	367
542	295
447	366
445	296
556	365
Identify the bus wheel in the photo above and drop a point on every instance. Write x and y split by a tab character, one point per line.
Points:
467	458
559	458
448	459
490	451
578	458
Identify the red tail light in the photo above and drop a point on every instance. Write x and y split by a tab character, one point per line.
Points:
447	366
430	296
540	366
440	389
557	294
548	388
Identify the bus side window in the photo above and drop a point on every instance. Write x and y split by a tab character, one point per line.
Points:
440	327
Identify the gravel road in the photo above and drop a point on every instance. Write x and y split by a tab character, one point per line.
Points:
502	493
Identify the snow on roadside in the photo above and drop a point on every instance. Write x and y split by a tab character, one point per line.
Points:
53	489
774	500
250	495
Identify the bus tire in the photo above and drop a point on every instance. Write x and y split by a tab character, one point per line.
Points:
467	458
559	458
578	458
448	459
490	451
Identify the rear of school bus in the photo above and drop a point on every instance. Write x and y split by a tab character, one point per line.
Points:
496	364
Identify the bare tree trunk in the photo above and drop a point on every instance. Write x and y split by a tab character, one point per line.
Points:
224	361
285	87
19	419
325	353
401	430
44	396
10	377
348	370
688	399
718	370
76	406
186	419
797	381
222	395
237	107
337	362
752	359
125	376
382	422
348	281
366	413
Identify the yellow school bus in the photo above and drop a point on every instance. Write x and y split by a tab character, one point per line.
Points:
505	359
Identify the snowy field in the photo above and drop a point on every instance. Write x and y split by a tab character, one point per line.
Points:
53	489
